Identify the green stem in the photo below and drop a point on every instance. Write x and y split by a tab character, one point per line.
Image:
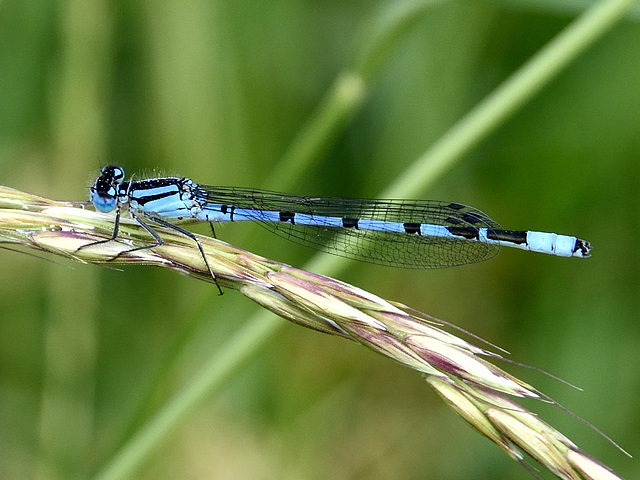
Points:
514	92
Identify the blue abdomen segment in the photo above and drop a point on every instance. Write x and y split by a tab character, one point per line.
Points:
561	245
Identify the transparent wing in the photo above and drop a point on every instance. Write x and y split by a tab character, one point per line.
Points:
375	246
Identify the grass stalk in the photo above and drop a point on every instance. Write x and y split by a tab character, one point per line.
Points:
480	392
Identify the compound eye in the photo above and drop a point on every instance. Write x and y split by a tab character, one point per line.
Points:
115	172
104	203
118	175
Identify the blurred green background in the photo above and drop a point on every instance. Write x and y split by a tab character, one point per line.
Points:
219	91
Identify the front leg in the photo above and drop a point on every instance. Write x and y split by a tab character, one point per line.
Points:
114	235
186	233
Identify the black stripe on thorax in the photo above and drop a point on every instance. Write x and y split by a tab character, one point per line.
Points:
140	188
144	199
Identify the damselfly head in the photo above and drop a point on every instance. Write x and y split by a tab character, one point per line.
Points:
104	191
